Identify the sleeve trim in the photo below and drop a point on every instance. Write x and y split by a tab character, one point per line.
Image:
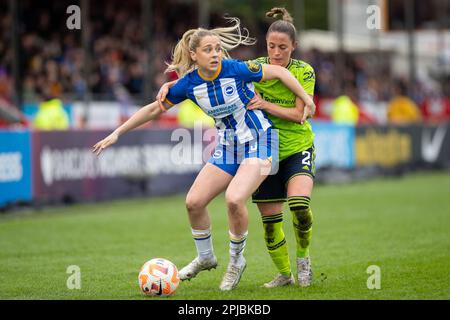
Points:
161	106
169	102
262	74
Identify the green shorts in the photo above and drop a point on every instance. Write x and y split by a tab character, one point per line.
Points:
274	187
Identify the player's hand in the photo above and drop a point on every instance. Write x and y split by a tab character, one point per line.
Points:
162	93
164	90
105	143
257	102
308	111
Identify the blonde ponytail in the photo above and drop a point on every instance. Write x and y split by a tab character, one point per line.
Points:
230	38
181	58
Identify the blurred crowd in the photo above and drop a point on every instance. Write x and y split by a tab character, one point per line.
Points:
52	57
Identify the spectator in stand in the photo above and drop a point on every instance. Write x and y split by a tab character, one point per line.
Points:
51	54
51	114
344	111
402	109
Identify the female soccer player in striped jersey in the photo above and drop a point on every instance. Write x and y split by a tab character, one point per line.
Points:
222	88
294	180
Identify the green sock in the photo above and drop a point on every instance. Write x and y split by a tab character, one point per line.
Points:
302	219
276	242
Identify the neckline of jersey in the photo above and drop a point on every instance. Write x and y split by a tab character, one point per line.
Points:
288	65
214	76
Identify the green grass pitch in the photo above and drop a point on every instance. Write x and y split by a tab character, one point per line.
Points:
401	225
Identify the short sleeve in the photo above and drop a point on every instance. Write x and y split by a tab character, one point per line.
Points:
250	71
307	79
178	93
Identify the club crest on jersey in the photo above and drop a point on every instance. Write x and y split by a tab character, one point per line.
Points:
217	154
253	66
309	76
229	90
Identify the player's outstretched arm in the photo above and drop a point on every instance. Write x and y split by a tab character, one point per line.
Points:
146	113
277	72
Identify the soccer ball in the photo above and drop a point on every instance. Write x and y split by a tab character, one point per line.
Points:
158	277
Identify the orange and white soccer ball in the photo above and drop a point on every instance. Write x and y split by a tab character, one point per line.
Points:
158	277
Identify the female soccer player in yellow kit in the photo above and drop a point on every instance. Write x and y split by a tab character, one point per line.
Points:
294	180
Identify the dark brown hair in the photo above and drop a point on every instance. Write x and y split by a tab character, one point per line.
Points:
284	25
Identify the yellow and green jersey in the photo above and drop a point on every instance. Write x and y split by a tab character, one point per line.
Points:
294	137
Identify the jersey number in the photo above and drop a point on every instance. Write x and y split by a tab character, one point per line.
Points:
307	156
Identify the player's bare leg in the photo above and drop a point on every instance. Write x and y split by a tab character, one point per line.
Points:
209	183
249	176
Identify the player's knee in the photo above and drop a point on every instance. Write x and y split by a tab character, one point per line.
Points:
194	204
267	209
234	201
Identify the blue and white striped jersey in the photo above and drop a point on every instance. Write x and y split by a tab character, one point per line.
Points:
225	97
